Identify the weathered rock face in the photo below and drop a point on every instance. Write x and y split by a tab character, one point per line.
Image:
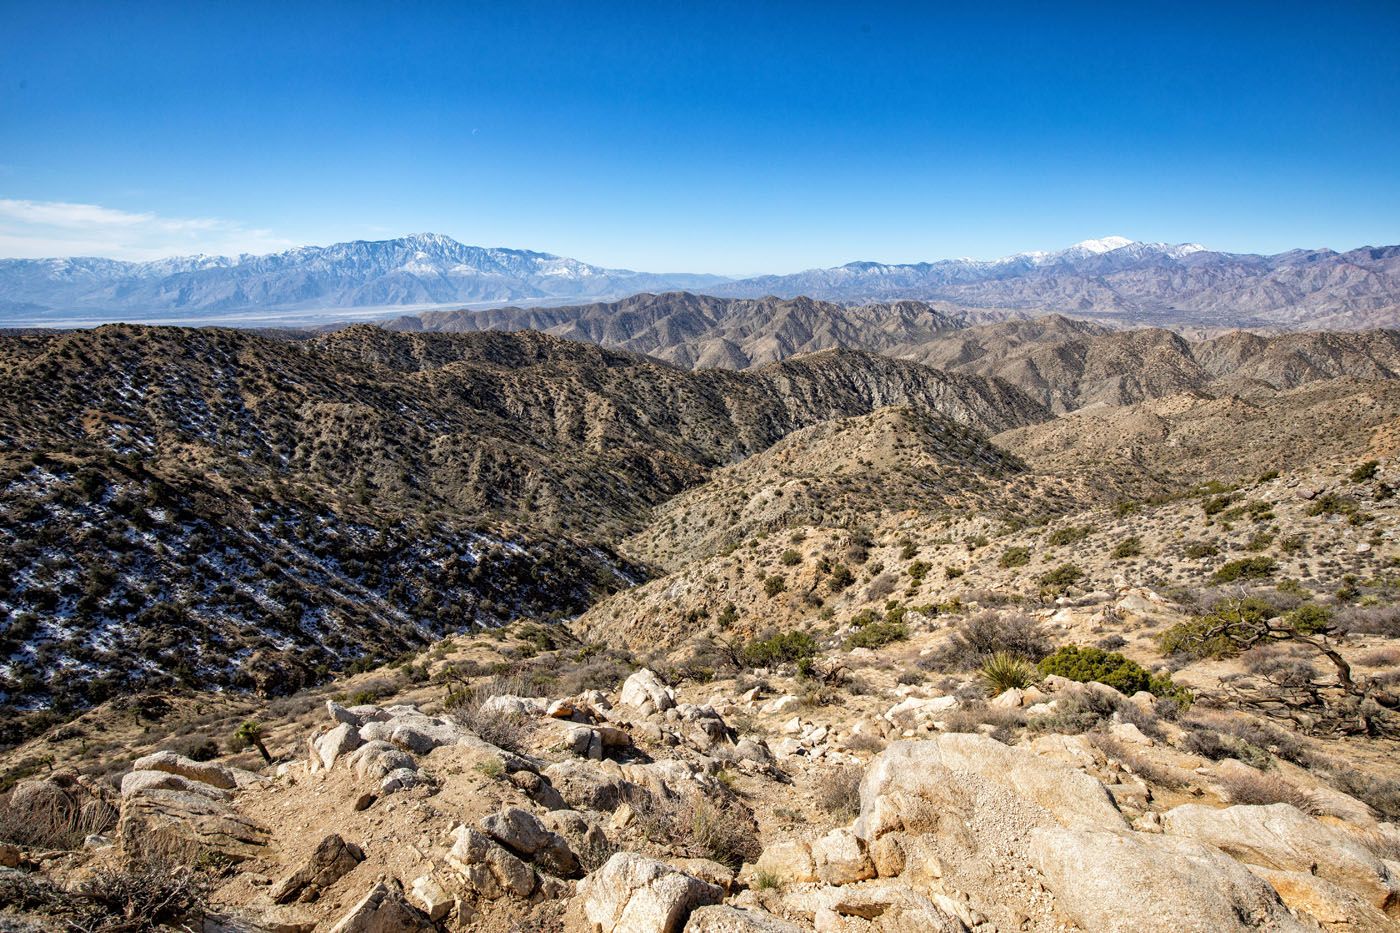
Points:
336	743
633	894
912	785
205	772
522	832
382	910
1282	837
840	858
1134	883
788	861
645	692
725	919
488	867
332	858
136	782
196	819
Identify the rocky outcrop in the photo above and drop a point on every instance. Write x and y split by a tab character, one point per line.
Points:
1283	838
634	894
1132	883
332	858
382	910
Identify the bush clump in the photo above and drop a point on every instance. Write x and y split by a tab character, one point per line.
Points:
1111	668
878	634
1246	568
987	633
782	648
1061	577
1015	557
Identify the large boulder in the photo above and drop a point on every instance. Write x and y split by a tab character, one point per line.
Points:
137	782
644	692
205	772
1123	882
634	894
332	858
166	816
336	743
522	832
840	858
382	910
488	867
1282	837
590	786
788	861
911	786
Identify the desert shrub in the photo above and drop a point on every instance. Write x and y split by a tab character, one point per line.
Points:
790	558
774	585
865	742
1115	670
980	636
1014	557
878	634
150	890
1370	620
1246	568
1276	741
1105	667
1381	794
717	829
1070	534
781	648
1195	550
1365	472
1061	577
837	792
952	572
841	578
1128	547
507	731
1112	642
1005	671
1262	789
972	716
1079	712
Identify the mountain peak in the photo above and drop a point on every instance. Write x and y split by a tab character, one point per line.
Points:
1104	244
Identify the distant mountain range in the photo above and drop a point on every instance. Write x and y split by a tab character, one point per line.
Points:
425	269
1113	278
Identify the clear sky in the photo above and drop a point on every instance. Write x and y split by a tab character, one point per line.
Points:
698	136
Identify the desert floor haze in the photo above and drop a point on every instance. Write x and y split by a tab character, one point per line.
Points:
910	468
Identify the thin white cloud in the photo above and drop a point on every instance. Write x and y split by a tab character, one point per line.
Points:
42	229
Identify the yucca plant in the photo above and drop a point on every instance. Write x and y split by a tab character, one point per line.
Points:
1003	670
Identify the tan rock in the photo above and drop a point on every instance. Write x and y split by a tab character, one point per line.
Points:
724	919
789	861
332	858
1124	882
1282	837
840	858
430	897
205	772
382	910
1325	902
634	894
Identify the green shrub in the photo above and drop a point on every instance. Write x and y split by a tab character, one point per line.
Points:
878	634
952	572
790	558
774	585
1071	534
1061	577
1004	670
1367	471
918	570
1015	557
785	647
1128	547
1105	667
1246	568
1195	550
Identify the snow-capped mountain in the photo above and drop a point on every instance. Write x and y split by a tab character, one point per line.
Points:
423	269
1164	282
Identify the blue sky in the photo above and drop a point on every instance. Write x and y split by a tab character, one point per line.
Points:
733	138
